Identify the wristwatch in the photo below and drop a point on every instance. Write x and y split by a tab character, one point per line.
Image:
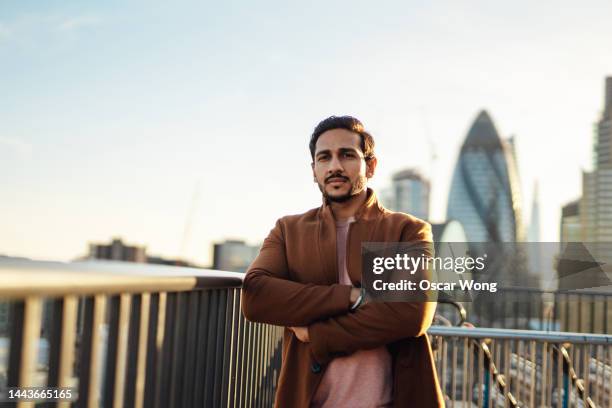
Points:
359	300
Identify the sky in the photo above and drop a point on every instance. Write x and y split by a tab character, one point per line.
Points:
135	119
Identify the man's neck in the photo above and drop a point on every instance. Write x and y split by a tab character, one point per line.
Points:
344	211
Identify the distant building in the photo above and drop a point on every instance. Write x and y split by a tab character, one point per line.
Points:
409	193
233	255
571	228
485	193
118	251
596	202
533	233
588	223
4	318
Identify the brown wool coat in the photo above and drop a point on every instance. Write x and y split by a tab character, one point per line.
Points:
293	282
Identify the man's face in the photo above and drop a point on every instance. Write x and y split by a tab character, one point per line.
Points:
339	167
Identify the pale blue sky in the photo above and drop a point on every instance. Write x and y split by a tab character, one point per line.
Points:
110	113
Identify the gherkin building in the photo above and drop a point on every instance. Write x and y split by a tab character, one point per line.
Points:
485	194
485	198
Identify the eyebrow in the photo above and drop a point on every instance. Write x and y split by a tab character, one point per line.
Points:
340	150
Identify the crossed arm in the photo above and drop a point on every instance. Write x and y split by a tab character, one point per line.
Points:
320	314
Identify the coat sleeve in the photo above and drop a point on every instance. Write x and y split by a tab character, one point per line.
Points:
378	323
269	296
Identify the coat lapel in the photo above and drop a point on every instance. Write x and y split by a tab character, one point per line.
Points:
362	230
327	244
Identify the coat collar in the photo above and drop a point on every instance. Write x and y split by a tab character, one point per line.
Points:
362	230
369	209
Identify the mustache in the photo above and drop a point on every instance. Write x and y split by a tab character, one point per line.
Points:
340	176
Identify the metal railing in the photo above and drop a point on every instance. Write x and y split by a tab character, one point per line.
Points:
507	368
534	309
154	336
136	335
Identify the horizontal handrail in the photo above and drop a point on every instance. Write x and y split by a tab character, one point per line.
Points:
23	278
551	337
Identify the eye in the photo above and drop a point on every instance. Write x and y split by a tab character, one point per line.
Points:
348	155
323	158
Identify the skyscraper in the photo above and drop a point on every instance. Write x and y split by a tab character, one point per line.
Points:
409	193
485	193
596	202
233	255
588	222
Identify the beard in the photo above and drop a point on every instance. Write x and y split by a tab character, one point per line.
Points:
356	187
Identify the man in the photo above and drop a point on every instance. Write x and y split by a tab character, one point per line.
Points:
339	351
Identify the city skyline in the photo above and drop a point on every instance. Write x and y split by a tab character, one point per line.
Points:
117	111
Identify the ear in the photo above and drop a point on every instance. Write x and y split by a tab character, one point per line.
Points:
314	176
371	167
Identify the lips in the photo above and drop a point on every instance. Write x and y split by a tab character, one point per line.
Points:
336	180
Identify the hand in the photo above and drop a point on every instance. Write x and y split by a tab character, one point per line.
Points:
301	333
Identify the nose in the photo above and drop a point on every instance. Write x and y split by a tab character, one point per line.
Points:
335	165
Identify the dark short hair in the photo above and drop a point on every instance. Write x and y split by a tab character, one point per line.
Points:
344	122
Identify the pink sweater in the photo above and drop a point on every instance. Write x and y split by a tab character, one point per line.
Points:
362	379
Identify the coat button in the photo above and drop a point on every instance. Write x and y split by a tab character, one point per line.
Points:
315	368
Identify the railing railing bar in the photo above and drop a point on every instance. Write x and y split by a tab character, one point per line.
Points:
586	358
491	380
220	347
544	375
257	367
235	382
29	344
84	356
453	371
248	337
532	385
188	385
470	359
178	349
67	345
210	348
228	389
155	341
506	368
252	363
444	351
141	366
269	356
227	347
163	389
598	381
55	342
561	392
240	361
202	345
121	357
556	337
481	385
17	319
609	382
133	342
108	390
94	384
